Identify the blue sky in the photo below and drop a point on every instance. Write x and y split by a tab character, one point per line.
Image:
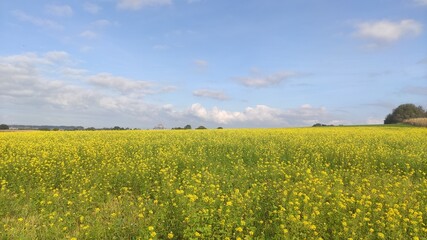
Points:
254	63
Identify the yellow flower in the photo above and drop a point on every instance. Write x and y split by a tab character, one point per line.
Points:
150	228
178	191
239	229
170	235
381	235
153	234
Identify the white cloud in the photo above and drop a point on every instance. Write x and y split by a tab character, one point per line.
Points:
260	115
25	80
258	81
49	86
55	56
91	7
421	2
59	10
120	84
138	4
88	34
388	31
74	72
40	22
218	95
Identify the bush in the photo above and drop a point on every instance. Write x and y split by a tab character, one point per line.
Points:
405	111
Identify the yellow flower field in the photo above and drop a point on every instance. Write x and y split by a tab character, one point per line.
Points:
307	183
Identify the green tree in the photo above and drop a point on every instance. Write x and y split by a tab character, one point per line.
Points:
201	127
187	127
405	111
4	127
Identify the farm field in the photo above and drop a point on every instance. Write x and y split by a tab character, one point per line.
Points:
300	183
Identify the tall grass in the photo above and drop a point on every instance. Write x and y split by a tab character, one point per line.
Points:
416	121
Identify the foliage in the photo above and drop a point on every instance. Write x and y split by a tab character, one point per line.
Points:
405	111
201	127
4	127
187	127
322	125
306	183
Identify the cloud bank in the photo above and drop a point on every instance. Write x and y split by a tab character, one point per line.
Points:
43	85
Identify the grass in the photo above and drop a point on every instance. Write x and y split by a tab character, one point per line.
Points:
304	183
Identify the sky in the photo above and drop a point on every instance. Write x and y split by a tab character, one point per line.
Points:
234	64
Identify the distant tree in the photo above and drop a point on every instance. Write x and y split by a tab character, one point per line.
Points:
187	126
4	127
117	128
201	127
405	111
220	128
90	129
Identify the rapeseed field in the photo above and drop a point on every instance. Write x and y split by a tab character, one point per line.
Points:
306	183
